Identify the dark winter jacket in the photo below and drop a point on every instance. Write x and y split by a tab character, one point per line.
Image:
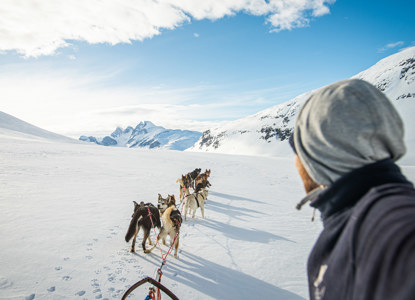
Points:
367	247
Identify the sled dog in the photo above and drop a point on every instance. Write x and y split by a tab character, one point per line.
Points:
172	221
192	176
202	179
202	185
194	173
182	189
164	203
193	201
141	219
188	180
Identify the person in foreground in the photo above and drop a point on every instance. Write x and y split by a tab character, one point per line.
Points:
347	138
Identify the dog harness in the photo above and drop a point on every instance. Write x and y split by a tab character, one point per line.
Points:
197	201
176	217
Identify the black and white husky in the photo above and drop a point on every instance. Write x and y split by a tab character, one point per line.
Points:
144	216
193	201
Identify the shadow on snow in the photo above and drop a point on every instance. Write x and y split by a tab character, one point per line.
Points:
226	209
220	282
244	234
233	197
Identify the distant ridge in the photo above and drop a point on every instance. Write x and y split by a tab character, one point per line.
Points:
147	135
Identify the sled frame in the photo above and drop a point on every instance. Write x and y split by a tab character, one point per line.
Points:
153	282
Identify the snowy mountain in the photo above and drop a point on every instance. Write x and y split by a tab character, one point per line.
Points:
266	132
395	76
147	135
12	126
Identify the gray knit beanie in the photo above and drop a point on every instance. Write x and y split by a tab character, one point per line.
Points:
344	126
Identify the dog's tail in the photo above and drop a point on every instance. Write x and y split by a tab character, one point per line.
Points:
134	224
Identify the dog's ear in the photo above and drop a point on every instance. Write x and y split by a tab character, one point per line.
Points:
135	204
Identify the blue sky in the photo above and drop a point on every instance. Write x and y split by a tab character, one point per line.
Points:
86	67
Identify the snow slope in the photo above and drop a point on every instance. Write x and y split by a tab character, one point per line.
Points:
266	132
10	125
395	76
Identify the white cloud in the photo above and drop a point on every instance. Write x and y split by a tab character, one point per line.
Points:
391	46
78	103
38	27
73	103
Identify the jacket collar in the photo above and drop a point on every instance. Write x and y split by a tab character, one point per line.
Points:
351	187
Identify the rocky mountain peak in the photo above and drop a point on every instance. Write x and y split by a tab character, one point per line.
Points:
147	135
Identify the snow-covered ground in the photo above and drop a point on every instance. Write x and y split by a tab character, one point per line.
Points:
65	209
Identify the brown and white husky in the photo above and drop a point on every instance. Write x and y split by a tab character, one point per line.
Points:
172	220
